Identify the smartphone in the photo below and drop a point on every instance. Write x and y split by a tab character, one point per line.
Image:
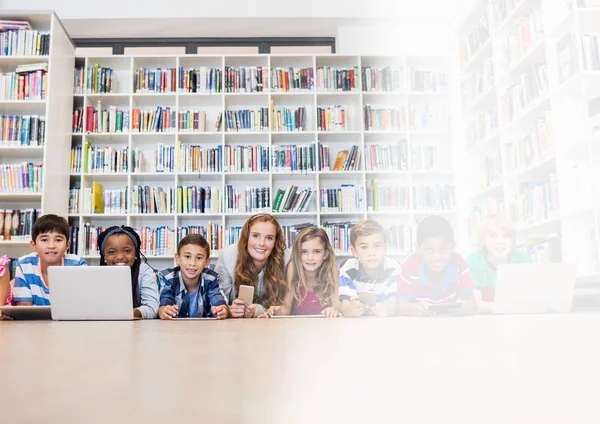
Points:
368	298
246	293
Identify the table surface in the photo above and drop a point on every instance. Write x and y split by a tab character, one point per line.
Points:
482	369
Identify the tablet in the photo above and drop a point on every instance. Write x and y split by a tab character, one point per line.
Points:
191	319
27	312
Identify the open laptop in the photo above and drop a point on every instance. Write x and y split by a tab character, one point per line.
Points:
534	288
90	293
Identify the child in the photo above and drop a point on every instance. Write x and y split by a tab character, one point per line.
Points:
497	236
368	271
257	260
120	246
312	277
435	273
5	289
50	241
191	290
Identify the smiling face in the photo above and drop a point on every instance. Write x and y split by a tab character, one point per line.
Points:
50	247
261	241
498	245
192	259
119	250
312	254
437	253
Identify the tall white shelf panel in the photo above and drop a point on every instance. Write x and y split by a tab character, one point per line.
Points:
56	107
420	107
550	124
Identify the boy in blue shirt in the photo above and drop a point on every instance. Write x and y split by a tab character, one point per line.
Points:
50	241
191	290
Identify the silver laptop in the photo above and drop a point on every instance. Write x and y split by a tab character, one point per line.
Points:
534	288
90	293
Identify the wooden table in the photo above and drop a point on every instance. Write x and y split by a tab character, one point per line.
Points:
484	369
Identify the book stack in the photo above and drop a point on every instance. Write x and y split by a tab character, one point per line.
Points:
292	199
347	160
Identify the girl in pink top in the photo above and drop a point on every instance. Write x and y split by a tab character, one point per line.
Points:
312	277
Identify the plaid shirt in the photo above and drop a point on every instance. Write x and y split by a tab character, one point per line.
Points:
175	293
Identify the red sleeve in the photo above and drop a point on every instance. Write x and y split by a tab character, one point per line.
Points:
464	285
409	273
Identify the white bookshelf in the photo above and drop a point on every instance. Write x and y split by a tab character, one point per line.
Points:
56	107
570	160
408	98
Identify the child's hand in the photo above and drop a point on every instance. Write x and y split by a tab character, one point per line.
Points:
331	312
271	312
238	308
469	307
168	311
357	307
250	311
379	310
220	312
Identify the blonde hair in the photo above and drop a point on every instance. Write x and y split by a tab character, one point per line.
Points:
499	222
365	228
325	288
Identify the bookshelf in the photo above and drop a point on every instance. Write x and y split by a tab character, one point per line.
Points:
35	126
528	91
315	106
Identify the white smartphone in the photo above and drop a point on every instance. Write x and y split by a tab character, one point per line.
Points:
246	293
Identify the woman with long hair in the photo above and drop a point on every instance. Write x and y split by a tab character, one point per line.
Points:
258	260
120	246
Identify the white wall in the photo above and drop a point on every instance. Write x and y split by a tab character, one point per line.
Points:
78	9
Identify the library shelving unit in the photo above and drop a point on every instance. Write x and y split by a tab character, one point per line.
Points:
529	89
357	136
36	66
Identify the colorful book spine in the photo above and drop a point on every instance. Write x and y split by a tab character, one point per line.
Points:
22	130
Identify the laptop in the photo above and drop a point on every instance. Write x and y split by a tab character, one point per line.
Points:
534	288
90	293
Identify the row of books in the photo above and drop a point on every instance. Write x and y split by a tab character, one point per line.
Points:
292	79
200	80
475	39
347	198
517	98
387	196
252	199
294	158
97	159
479	82
21	177
163	119
385	79
22	130
95	80
97	200
335	79
246	79
483	126
527	33
383	119
535	146
536	201
192	121
545	250
293	199
149	200
100	158
391	157
101	120
158	80
429	117
501	9
17	223
490	206
16	40
285	119
429	81
198	199
435	197
490	170
247	120
332	118
252	158
23	86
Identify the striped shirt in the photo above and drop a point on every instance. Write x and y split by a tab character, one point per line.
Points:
29	283
175	293
354	279
414	285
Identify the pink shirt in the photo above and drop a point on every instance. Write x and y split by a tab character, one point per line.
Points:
309	306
